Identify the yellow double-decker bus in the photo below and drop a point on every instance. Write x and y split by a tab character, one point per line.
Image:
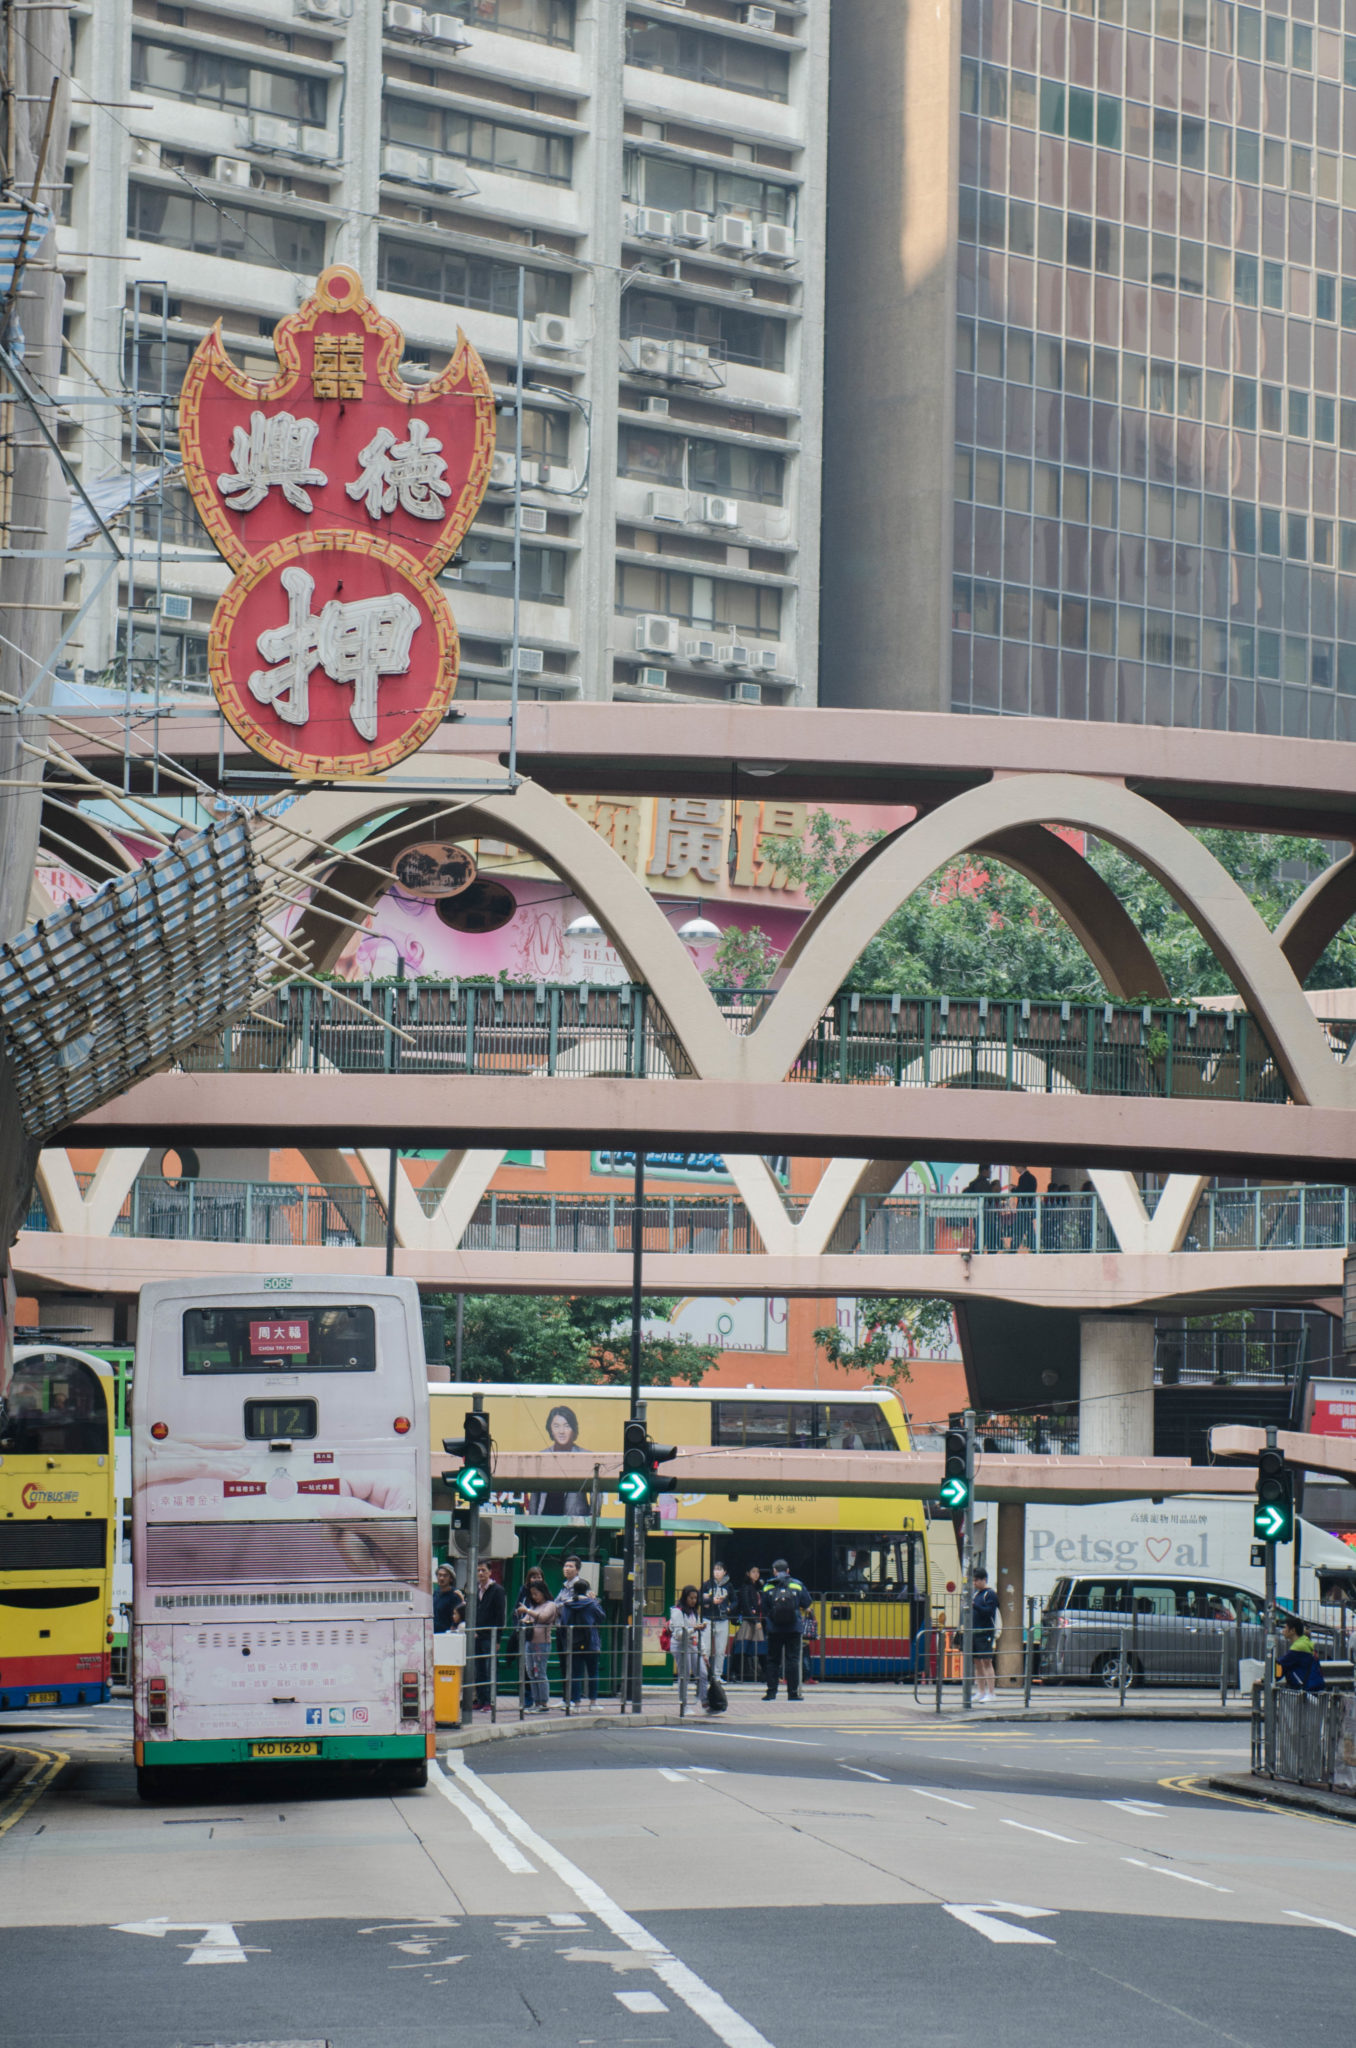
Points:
57	1519
863	1561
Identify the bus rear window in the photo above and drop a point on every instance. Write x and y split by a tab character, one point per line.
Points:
53	1546
317	1338
56	1405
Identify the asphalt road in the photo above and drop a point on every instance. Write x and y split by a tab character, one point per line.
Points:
809	1883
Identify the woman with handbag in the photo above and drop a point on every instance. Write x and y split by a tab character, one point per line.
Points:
685	1631
535	1615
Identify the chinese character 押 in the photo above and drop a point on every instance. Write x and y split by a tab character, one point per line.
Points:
274	451
353	643
406	473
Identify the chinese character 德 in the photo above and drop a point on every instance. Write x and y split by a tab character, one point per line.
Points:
405	473
274	451
353	643
689	837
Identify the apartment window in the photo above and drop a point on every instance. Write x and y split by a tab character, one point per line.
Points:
455	279
679	187
738	336
485	562
497	145
544	434
714	60
244	234
717	466
214	80
540	21
700	600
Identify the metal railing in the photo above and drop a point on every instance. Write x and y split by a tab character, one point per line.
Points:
252	1212
859	1039
1313	1734
1271	1219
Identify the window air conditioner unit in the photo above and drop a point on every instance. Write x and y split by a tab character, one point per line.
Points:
657	408
534	519
323	10
411	165
501	471
232	170
719	512
531	660
404	19
656	634
316	144
652	678
268	131
776	243
767	657
652	224
145	155
446	29
671	505
760	17
734	656
651	356
690	360
748	693
700	651
553	331
449	174
733	235
175	606
691	228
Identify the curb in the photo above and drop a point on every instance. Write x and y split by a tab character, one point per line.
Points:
1307	1799
510	1731
987	1716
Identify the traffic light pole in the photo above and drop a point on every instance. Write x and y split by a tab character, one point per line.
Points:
636	1642
1269	1670
472	1592
968	1568
634	1533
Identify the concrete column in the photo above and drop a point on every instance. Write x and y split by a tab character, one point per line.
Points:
1116	1387
1011	1588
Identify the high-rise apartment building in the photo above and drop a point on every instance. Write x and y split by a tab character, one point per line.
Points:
652	170
1091	420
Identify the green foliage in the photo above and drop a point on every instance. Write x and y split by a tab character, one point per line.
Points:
564	1340
882	1318
979	928
743	959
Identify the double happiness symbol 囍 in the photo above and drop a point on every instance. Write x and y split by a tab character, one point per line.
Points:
336	492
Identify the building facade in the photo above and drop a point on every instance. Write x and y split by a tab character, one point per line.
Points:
653	174
1106	308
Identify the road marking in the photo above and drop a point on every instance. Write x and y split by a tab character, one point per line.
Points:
674	1777
787	1741
510	1856
859	1773
566	1919
946	1800
998	1931
47	1763
1180	1875
217	1940
640	2001
699	1998
1143	1809
1336	1925
1049	1833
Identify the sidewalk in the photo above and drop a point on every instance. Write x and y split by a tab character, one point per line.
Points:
861	1708
1270	1792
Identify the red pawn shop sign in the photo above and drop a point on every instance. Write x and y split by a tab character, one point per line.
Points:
336	492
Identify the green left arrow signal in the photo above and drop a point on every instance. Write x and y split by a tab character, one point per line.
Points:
472	1483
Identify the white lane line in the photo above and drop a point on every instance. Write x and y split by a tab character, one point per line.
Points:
704	2003
1049	1833
1143	1809
1337	1926
674	1777
858	1773
728	1735
511	1857
923	1793
1180	1875
998	1931
640	2001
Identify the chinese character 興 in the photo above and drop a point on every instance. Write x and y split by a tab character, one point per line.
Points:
274	451
405	473
353	643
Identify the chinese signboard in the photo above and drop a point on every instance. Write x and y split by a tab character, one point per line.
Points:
1333	1407
336	492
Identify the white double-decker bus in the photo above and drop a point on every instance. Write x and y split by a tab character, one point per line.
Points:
281	1528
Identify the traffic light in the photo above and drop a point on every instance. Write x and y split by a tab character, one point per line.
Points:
957	1483
1273	1515
473	1482
640	1482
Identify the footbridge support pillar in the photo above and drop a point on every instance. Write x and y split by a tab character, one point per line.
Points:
1116	1387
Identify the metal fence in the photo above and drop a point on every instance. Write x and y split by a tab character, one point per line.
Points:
1271	1219
252	1212
1314	1738
859	1039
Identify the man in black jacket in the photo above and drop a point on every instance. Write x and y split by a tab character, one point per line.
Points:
785	1600
490	1612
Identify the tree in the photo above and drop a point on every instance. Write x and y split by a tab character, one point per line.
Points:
744	959
561	1340
880	1320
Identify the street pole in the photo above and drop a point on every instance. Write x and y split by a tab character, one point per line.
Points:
390	1216
472	1589
460	1327
968	1567
638	1597
634	1527
1269	1669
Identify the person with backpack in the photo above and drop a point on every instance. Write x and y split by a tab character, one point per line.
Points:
1299	1666
584	1621
785	1600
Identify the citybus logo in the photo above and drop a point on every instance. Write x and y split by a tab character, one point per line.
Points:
34	1497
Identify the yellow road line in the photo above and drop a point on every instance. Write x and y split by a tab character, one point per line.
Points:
47	1763
1278	1807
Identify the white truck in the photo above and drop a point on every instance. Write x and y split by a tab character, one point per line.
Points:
1200	1537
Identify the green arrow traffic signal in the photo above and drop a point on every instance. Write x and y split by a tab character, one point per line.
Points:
472	1483
957	1483
634	1488
954	1492
1271	1524
1273	1515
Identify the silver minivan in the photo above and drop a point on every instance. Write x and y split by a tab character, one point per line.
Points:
1174	1631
